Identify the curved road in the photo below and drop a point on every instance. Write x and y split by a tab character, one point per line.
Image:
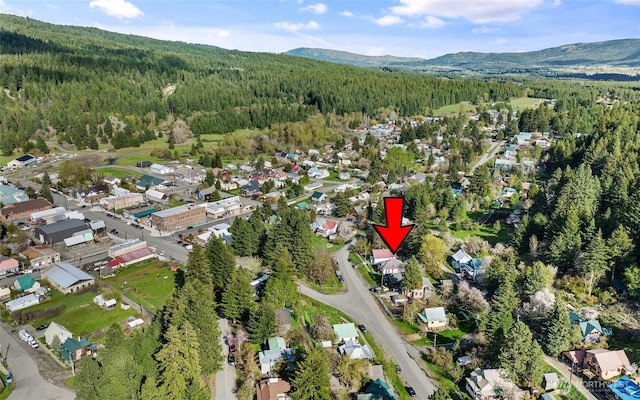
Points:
359	304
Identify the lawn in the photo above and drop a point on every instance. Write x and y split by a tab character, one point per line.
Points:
486	233
81	316
312	307
372	278
118	172
454	108
149	284
332	286
323	243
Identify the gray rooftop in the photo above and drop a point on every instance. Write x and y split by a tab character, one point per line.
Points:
66	275
62	225
435	314
175	210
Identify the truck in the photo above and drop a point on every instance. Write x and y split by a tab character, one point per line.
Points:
26	336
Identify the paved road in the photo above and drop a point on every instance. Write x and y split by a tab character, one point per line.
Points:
359	304
566	372
488	155
29	383
225	379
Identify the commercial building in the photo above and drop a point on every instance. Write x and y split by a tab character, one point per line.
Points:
21	162
58	232
67	278
228	207
24	208
41	256
126	247
131	257
161	169
177	218
47	216
10	194
121	201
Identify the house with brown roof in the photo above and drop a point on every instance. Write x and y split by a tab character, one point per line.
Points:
381	255
273	389
23	209
606	364
41	256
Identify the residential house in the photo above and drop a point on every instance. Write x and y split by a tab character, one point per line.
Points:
269	358
606	364
276	343
324	227
111	180
491	384
273	389
591	330
345	332
251	188
355	351
460	258
26	283
378	390
434	318
322	173
221	230
344	176
8	265
67	278
392	266
56	330
318	197
381	255
423	292
189	174
75	350
93	193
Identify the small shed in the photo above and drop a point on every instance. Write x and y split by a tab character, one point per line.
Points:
550	381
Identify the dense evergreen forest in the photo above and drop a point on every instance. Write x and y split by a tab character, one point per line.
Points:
65	82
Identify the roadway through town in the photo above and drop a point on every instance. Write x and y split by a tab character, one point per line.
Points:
23	361
359	304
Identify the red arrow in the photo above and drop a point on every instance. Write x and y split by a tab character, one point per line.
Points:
393	234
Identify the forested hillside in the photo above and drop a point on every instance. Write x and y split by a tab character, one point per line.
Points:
66	82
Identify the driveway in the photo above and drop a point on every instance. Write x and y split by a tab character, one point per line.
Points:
225	379
24	362
359	304
566	373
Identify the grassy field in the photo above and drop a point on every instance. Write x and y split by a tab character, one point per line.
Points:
454	108
520	103
81	316
332	286
118	172
149	284
486	233
372	278
323	243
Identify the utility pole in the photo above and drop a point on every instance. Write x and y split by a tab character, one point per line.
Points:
6	353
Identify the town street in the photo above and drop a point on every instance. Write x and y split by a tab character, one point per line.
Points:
28	381
226	378
359	304
566	373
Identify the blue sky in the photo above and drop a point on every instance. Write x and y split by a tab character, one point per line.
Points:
417	28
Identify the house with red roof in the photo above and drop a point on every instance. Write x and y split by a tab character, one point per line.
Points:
8	265
324	227
381	255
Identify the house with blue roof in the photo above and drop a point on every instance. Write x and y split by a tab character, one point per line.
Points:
591	330
10	194
625	389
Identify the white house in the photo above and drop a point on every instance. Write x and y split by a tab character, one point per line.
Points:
392	266
56	330
355	351
435	317
381	255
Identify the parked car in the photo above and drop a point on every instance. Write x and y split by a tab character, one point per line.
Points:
42	327
398	368
232	359
411	392
362	328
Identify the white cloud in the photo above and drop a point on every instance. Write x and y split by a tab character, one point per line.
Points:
433	22
121	9
388	20
483	30
498	41
318	8
346	13
296	27
478	12
629	2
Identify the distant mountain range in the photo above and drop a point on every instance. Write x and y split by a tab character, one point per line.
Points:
614	59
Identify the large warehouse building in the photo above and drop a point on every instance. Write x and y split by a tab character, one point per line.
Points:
58	232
